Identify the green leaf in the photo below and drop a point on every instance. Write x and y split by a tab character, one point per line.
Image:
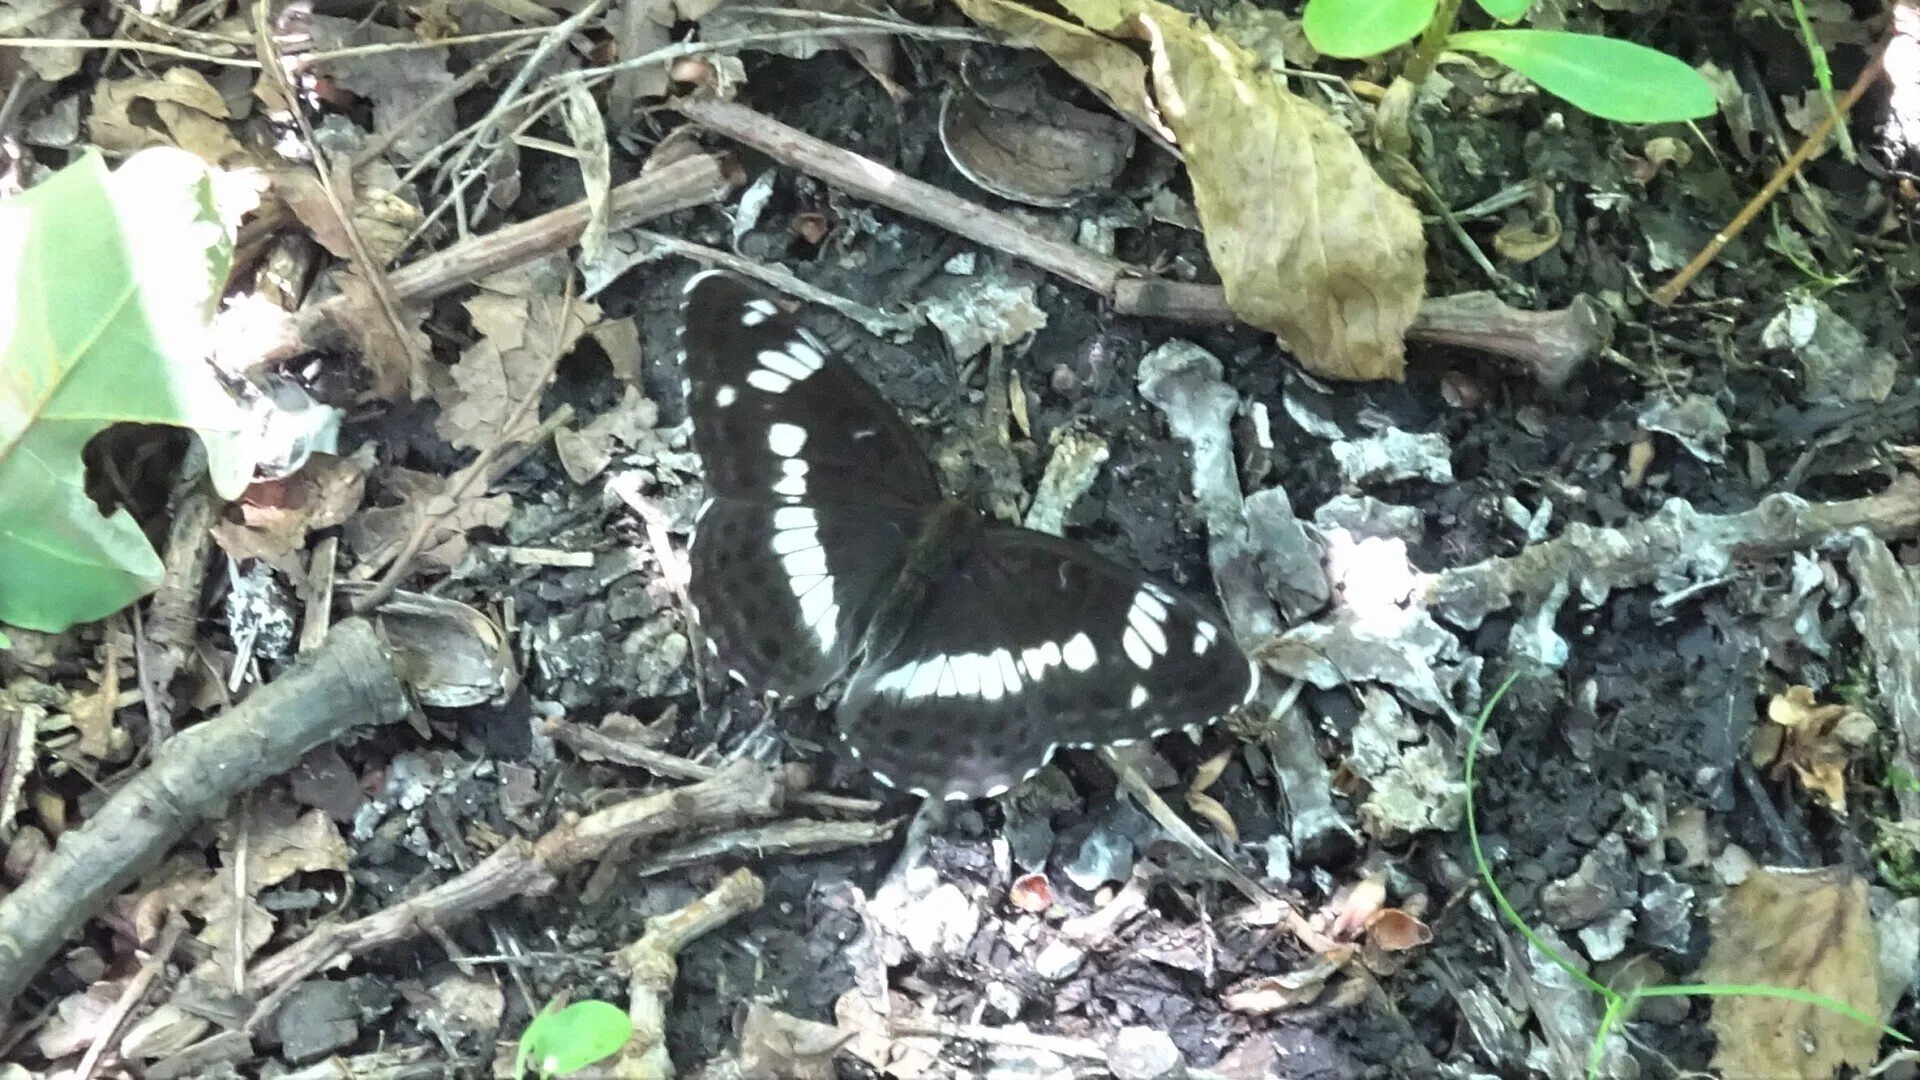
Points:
1614	80
107	282
1507	11
1353	28
557	1043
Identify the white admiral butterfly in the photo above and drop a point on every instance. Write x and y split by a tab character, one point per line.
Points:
971	650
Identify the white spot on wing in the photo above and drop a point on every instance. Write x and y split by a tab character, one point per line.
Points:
762	379
781	364
1136	647
1009	670
1203	635
751	317
793	484
725	396
795	517
1138	697
786	439
1079	653
807	355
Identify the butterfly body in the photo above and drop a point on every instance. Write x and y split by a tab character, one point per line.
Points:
970	650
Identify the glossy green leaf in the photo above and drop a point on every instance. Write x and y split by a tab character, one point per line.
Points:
107	283
1354	28
1614	80
1507	11
567	1040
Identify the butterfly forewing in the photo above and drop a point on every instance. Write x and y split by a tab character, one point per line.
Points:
1030	643
817	488
778	418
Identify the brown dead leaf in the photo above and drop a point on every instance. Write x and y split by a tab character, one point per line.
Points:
1801	930
186	112
383	219
517	314
46	19
386	356
1309	241
404	87
1206	805
276	516
774	1043
1268	994
1816	742
377	534
1394	930
1108	68
871	1037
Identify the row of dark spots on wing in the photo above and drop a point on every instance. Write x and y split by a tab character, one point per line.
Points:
746	584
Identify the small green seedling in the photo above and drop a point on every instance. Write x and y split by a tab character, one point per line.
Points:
1619	1006
1614	80
565	1040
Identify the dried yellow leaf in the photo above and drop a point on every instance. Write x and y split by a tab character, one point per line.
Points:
1801	930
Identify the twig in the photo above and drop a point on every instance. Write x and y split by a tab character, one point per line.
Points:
1551	343
373	270
591	744
522	868
689	182
1673	544
458	484
110	1025
802	836
875	321
192	779
153	47
1668	293
652	964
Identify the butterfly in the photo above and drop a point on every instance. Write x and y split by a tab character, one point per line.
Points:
970	650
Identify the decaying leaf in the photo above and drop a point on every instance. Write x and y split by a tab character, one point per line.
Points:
387	357
46	19
1206	805
588	451
404	87
383	219
1308	240
275	517
517	314
1814	741
1801	930
184	110
376	534
1105	66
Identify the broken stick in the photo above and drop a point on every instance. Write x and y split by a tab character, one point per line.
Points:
1552	344
689	182
345	683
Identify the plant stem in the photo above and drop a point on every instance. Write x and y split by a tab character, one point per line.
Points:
1431	42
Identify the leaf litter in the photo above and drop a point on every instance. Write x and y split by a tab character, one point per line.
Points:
1492	526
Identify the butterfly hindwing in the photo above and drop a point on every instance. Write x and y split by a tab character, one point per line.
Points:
779	418
1033	642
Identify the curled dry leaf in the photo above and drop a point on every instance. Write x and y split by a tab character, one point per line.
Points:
383	219
1207	806
1814	741
181	108
1798	930
1309	241
1105	66
1031	893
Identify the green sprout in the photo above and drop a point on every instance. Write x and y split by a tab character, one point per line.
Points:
1619	1005
565	1040
1614	80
